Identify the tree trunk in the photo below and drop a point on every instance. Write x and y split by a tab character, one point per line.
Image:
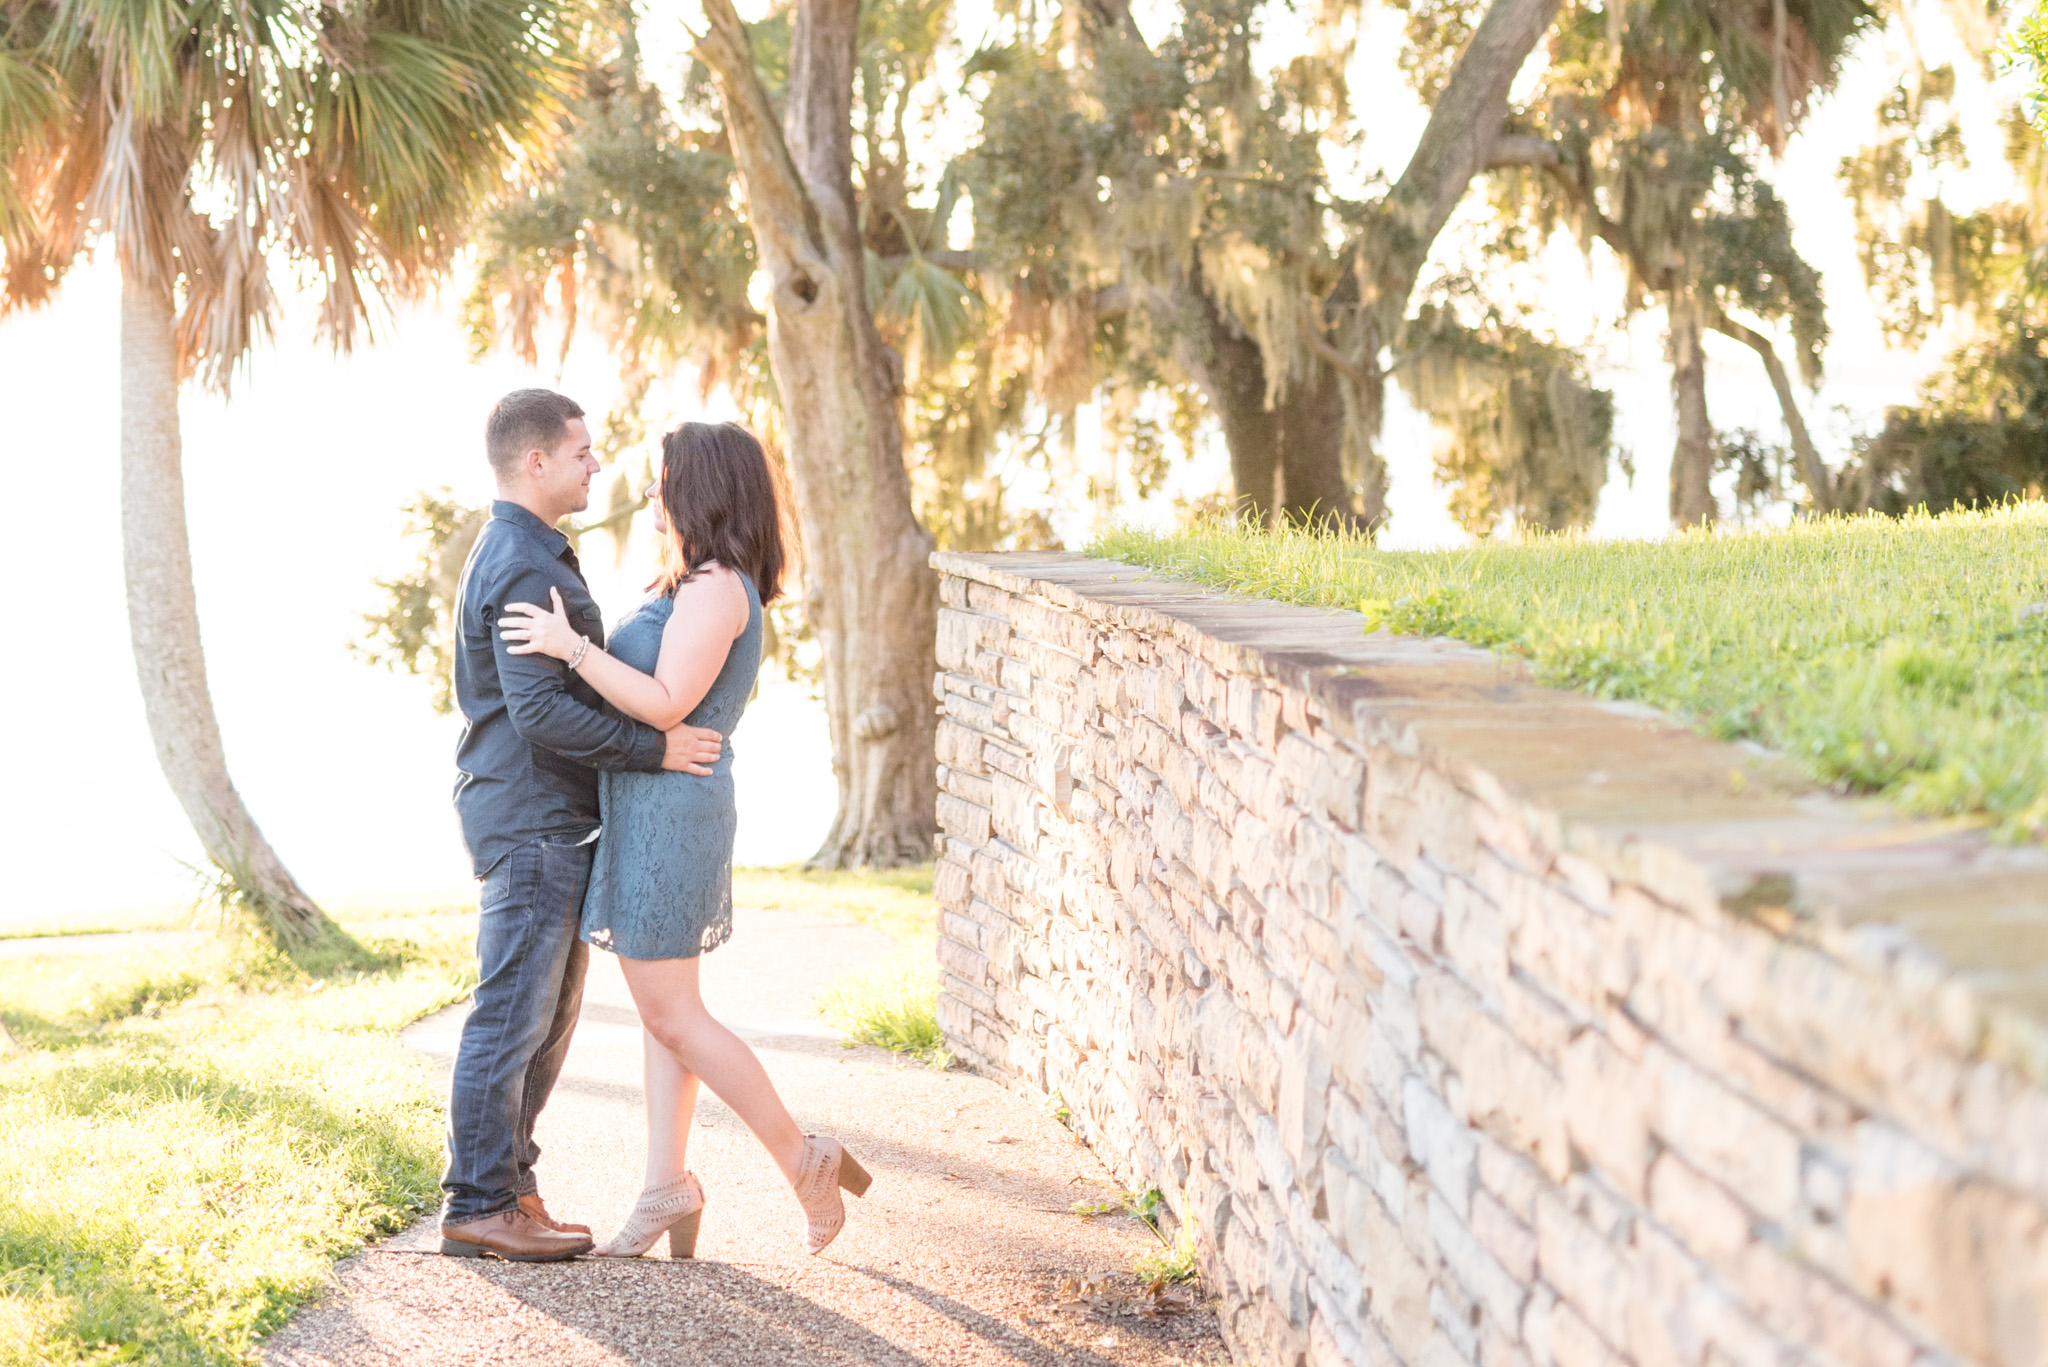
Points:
1314	491
1233	378
163	624
870	591
1813	471
1286	461
1692	459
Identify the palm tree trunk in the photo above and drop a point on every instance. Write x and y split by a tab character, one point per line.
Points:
163	623
1692	459
871	596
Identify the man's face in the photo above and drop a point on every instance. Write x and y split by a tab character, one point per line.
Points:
564	474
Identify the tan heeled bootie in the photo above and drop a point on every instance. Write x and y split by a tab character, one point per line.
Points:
826	1168
674	1208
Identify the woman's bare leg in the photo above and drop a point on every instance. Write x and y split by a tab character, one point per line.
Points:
671	1105
673	1011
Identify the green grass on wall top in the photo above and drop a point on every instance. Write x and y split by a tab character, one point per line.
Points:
1904	657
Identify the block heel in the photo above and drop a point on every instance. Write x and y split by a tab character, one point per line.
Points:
682	1236
452	1248
852	1175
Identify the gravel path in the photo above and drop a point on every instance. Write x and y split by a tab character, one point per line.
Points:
965	1251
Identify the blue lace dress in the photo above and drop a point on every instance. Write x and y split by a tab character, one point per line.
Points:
661	887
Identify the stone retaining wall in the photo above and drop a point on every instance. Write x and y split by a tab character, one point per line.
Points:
1475	1023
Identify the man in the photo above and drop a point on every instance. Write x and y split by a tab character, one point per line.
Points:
535	739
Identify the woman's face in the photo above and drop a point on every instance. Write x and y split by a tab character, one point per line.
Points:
653	495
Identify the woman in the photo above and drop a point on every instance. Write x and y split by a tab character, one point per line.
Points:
661	890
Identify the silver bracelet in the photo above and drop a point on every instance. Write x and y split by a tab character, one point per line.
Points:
581	651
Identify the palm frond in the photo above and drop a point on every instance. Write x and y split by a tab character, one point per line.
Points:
29	97
934	305
206	136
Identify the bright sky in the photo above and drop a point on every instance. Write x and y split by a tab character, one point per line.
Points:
294	492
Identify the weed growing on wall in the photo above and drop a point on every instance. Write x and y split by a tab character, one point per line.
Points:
1174	1258
1907	657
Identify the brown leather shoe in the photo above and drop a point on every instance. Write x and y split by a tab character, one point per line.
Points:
537	1208
513	1235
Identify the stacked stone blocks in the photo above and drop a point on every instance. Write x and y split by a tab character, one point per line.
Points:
1454	1048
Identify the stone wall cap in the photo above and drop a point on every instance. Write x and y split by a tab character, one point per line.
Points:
1718	829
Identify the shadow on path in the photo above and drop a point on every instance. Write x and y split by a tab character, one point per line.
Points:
954	1259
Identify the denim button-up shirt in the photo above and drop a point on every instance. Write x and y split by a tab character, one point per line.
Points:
536	733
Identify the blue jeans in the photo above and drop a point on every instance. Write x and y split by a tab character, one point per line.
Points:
530	965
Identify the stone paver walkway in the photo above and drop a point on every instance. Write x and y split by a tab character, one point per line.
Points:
966	1250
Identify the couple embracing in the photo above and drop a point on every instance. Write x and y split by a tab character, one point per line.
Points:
596	798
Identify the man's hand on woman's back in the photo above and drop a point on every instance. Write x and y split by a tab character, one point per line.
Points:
692	749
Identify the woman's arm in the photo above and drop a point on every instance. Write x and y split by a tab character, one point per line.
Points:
537	697
709	614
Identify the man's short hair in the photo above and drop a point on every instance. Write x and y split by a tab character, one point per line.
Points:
526	420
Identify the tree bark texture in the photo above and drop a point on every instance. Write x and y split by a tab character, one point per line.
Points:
1813	471
1313	490
1692	459
163	621
870	592
1233	379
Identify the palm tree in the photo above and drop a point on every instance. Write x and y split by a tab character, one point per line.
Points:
201	140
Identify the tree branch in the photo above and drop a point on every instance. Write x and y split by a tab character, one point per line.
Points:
1606	229
1115	17
945	257
1334	358
1521	150
1457	143
1813	472
779	207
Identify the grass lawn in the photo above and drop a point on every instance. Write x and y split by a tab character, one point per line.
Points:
897	902
1902	657
895	1003
187	1142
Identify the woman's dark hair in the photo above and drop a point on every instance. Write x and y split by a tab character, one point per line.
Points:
719	494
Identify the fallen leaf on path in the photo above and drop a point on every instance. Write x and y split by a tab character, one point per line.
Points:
1168	1300
1076	1290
